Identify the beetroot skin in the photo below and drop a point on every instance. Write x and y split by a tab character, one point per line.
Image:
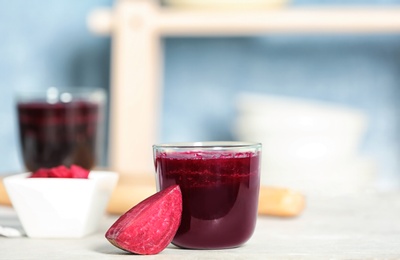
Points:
149	227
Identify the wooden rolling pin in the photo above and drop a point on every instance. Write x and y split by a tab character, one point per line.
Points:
4	200
278	202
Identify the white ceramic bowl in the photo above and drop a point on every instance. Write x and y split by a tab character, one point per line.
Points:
58	207
300	131
357	175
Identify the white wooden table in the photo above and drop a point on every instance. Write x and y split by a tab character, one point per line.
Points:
353	227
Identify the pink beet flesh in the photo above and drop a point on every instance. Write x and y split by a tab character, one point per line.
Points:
150	226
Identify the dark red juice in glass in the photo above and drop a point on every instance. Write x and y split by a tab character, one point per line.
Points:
220	189
53	134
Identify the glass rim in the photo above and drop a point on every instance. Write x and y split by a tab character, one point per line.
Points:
56	94
59	90
212	145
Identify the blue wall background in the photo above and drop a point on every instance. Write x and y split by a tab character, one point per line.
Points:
47	43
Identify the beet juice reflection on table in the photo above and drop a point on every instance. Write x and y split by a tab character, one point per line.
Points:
61	127
220	187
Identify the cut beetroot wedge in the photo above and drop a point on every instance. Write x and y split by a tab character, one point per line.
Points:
149	227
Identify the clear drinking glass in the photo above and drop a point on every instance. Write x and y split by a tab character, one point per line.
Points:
61	127
220	187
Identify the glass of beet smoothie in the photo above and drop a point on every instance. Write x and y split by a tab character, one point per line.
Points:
220	185
61	127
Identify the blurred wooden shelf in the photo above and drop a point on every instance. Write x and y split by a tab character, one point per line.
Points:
292	20
197	21
137	26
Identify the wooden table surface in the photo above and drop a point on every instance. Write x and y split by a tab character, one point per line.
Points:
363	226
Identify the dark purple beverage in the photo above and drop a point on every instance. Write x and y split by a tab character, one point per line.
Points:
53	134
220	194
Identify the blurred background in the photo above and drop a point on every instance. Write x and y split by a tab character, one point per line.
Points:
47	43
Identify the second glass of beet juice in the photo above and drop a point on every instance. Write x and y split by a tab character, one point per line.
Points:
61	127
220	184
